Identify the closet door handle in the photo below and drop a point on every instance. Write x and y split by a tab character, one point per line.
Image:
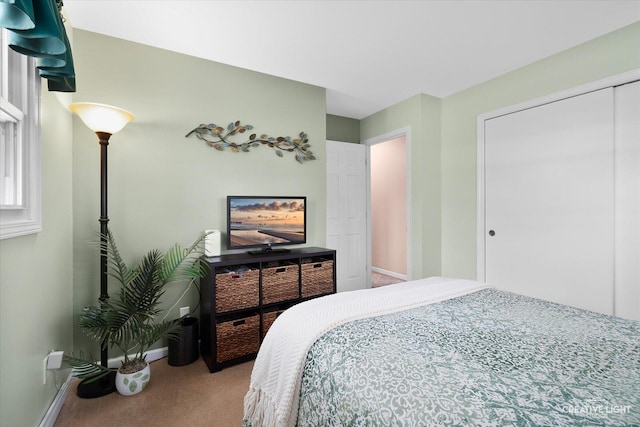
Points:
492	233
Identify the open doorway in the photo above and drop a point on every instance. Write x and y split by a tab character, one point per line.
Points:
388	207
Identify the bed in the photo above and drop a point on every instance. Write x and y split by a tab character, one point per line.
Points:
443	351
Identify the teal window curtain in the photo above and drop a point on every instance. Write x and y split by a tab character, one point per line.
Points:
35	29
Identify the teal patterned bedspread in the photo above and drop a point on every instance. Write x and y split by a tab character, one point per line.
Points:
490	358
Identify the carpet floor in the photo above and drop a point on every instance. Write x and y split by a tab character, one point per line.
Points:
378	279
176	396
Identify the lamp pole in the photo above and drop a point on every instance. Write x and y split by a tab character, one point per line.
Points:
104	120
103	138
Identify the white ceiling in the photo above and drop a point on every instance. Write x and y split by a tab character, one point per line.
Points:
369	55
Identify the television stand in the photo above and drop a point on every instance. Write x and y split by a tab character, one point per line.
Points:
269	250
242	295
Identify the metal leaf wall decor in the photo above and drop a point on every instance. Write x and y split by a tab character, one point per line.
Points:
218	137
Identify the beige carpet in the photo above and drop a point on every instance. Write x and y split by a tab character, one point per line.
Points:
176	396
379	279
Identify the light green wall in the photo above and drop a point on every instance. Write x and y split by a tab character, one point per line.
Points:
343	129
36	282
443	138
421	114
605	56
165	188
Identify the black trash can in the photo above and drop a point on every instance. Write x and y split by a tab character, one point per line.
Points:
183	349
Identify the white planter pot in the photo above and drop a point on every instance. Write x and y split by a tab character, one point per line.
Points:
130	384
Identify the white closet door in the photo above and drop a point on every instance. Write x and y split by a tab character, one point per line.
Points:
549	191
627	273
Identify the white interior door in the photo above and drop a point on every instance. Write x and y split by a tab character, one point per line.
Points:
346	213
549	191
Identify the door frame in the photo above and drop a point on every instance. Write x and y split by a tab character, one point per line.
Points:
397	133
616	80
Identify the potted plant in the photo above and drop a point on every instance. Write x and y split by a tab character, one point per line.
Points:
128	321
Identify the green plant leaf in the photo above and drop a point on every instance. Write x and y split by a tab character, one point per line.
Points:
128	318
85	368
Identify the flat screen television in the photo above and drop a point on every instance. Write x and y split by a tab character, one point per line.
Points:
263	222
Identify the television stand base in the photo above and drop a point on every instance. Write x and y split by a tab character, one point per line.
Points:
269	250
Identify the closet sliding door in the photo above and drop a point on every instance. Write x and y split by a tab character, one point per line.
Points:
559	199
627	201
548	200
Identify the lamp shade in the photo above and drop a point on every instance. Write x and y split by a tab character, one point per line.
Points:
101	117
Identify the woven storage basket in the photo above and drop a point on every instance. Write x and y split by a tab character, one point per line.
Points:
317	278
235	291
268	319
280	283
237	338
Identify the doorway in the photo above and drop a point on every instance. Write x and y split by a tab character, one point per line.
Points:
388	206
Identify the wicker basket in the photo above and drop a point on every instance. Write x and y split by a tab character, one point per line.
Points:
317	278
237	338
268	319
235	291
280	283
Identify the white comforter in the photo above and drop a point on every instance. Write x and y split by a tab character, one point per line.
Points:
273	396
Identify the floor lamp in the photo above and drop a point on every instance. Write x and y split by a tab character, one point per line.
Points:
104	120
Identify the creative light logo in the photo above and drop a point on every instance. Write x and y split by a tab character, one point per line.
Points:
597	409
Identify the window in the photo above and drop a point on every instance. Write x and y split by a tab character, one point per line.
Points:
19	143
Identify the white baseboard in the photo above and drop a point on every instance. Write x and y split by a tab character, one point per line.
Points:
51	416
152	356
54	409
389	273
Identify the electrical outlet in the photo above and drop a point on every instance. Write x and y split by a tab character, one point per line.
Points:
54	360
184	311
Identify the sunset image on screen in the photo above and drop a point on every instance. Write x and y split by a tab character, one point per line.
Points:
263	221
